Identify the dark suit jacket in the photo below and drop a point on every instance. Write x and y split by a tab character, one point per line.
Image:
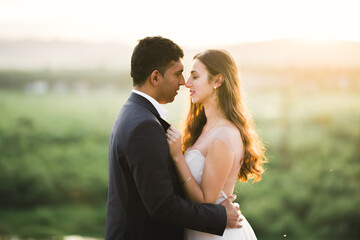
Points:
145	199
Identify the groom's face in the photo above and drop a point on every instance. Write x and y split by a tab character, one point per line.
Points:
171	81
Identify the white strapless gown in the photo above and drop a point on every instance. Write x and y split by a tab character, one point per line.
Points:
196	160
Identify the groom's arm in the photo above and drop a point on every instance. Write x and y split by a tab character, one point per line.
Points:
147	155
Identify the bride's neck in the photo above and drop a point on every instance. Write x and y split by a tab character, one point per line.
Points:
212	113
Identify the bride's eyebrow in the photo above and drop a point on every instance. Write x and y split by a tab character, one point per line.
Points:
193	71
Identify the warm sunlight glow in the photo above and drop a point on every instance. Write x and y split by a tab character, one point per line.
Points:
191	23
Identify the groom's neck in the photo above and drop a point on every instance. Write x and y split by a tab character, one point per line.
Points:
147	91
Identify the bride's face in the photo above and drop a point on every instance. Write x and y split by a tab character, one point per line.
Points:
201	89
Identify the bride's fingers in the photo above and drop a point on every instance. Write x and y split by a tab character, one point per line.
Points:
172	128
175	130
172	135
175	135
169	131
168	134
169	141
171	138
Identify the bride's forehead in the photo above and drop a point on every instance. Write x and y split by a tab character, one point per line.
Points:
198	66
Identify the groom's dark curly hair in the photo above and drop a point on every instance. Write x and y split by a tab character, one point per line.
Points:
153	53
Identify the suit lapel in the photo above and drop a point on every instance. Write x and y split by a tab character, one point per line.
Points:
143	101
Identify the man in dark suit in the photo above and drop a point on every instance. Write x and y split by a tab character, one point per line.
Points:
145	198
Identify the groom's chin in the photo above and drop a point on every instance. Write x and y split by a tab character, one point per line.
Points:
172	99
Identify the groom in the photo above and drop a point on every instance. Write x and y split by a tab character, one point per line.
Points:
145	198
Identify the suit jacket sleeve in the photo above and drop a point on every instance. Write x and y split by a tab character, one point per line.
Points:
148	159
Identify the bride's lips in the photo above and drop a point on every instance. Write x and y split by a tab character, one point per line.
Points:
191	93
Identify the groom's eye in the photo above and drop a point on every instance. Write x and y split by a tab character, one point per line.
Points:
178	73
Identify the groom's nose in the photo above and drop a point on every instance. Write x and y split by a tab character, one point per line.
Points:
181	80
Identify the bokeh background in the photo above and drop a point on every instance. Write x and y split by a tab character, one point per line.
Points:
64	75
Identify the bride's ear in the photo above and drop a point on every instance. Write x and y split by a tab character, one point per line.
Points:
219	80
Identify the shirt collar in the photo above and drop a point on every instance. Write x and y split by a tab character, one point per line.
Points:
159	108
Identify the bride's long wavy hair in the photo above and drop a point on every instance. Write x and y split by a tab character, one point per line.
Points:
229	100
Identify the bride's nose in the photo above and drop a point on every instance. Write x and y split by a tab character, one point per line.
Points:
188	83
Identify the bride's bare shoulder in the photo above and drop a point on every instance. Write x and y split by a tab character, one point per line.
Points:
226	133
227	130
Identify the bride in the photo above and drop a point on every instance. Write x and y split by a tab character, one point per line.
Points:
219	141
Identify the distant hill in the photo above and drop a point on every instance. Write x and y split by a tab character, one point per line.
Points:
302	54
277	53
63	55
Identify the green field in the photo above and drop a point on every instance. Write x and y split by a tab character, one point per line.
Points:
53	163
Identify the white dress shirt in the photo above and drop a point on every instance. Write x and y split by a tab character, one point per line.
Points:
159	108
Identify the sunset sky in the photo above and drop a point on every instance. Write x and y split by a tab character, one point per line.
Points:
187	22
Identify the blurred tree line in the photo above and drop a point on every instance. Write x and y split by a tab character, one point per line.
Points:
324	78
18	79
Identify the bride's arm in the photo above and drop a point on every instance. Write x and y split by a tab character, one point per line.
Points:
219	161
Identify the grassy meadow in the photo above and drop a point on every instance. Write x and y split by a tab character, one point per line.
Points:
53	162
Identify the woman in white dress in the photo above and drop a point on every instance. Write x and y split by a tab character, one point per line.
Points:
219	141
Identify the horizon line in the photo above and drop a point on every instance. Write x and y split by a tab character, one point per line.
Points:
125	43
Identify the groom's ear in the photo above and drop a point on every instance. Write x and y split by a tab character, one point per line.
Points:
155	78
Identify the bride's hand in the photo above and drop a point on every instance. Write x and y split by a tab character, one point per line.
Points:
174	141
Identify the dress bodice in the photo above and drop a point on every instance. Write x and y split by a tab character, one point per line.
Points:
196	161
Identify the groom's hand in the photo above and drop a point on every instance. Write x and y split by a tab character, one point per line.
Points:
232	212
